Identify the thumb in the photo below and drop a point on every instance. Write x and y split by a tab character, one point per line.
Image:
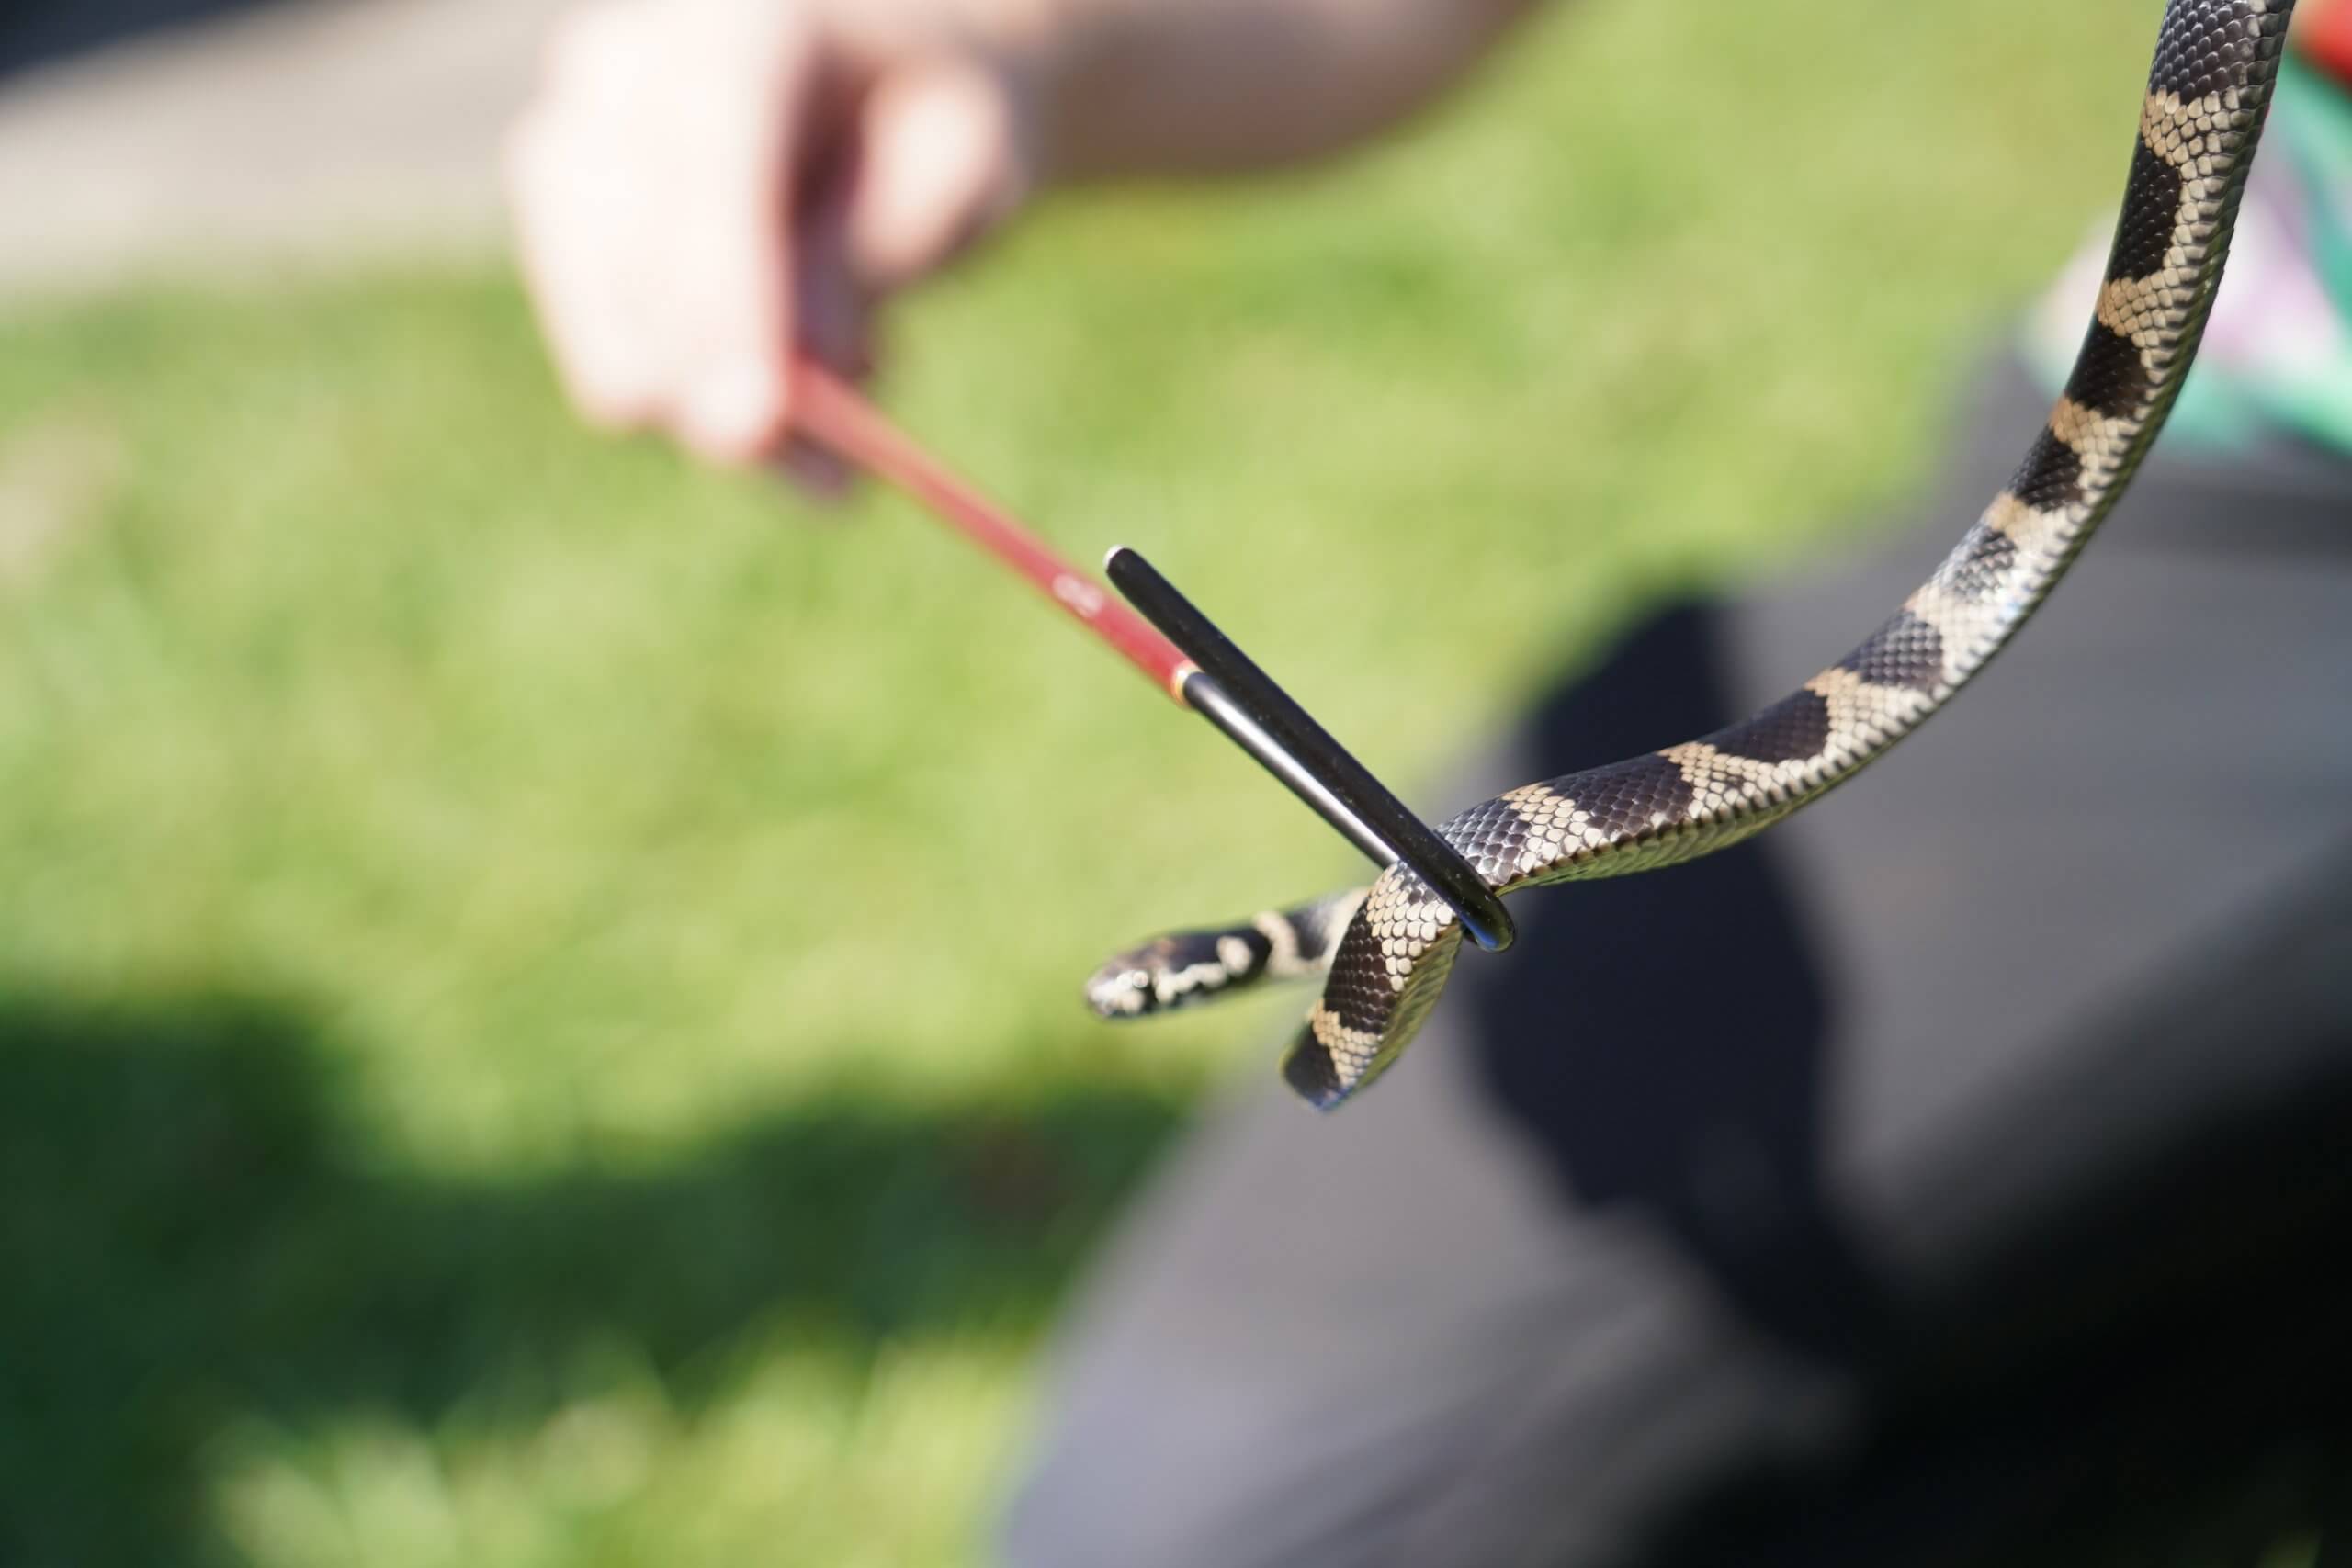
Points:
939	165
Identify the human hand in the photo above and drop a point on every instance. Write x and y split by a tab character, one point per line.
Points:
702	187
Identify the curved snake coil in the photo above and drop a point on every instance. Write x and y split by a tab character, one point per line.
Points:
1389	949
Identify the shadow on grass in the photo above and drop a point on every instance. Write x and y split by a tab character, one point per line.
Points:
186	1233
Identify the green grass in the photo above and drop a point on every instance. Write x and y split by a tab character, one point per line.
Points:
537	987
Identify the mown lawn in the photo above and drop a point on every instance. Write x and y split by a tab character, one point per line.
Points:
537	1007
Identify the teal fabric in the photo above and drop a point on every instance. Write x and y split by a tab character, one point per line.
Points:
2314	140
2279	357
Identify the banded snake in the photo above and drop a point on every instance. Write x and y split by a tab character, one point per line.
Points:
1388	949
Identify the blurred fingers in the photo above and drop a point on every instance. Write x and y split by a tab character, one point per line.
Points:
702	189
649	182
939	165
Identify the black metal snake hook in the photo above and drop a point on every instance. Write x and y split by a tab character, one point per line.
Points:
1227	688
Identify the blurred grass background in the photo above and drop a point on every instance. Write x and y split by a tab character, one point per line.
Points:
538	1010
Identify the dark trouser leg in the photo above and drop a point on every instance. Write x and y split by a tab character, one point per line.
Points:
1896	1188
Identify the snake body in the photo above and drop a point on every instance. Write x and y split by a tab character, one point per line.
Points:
1389	949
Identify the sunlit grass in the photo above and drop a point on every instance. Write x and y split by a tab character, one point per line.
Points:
537	984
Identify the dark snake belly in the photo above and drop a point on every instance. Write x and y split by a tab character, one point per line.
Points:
1389	950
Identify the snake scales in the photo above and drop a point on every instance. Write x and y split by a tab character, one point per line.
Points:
1388	949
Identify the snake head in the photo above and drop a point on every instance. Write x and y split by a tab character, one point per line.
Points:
1122	988
1175	971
